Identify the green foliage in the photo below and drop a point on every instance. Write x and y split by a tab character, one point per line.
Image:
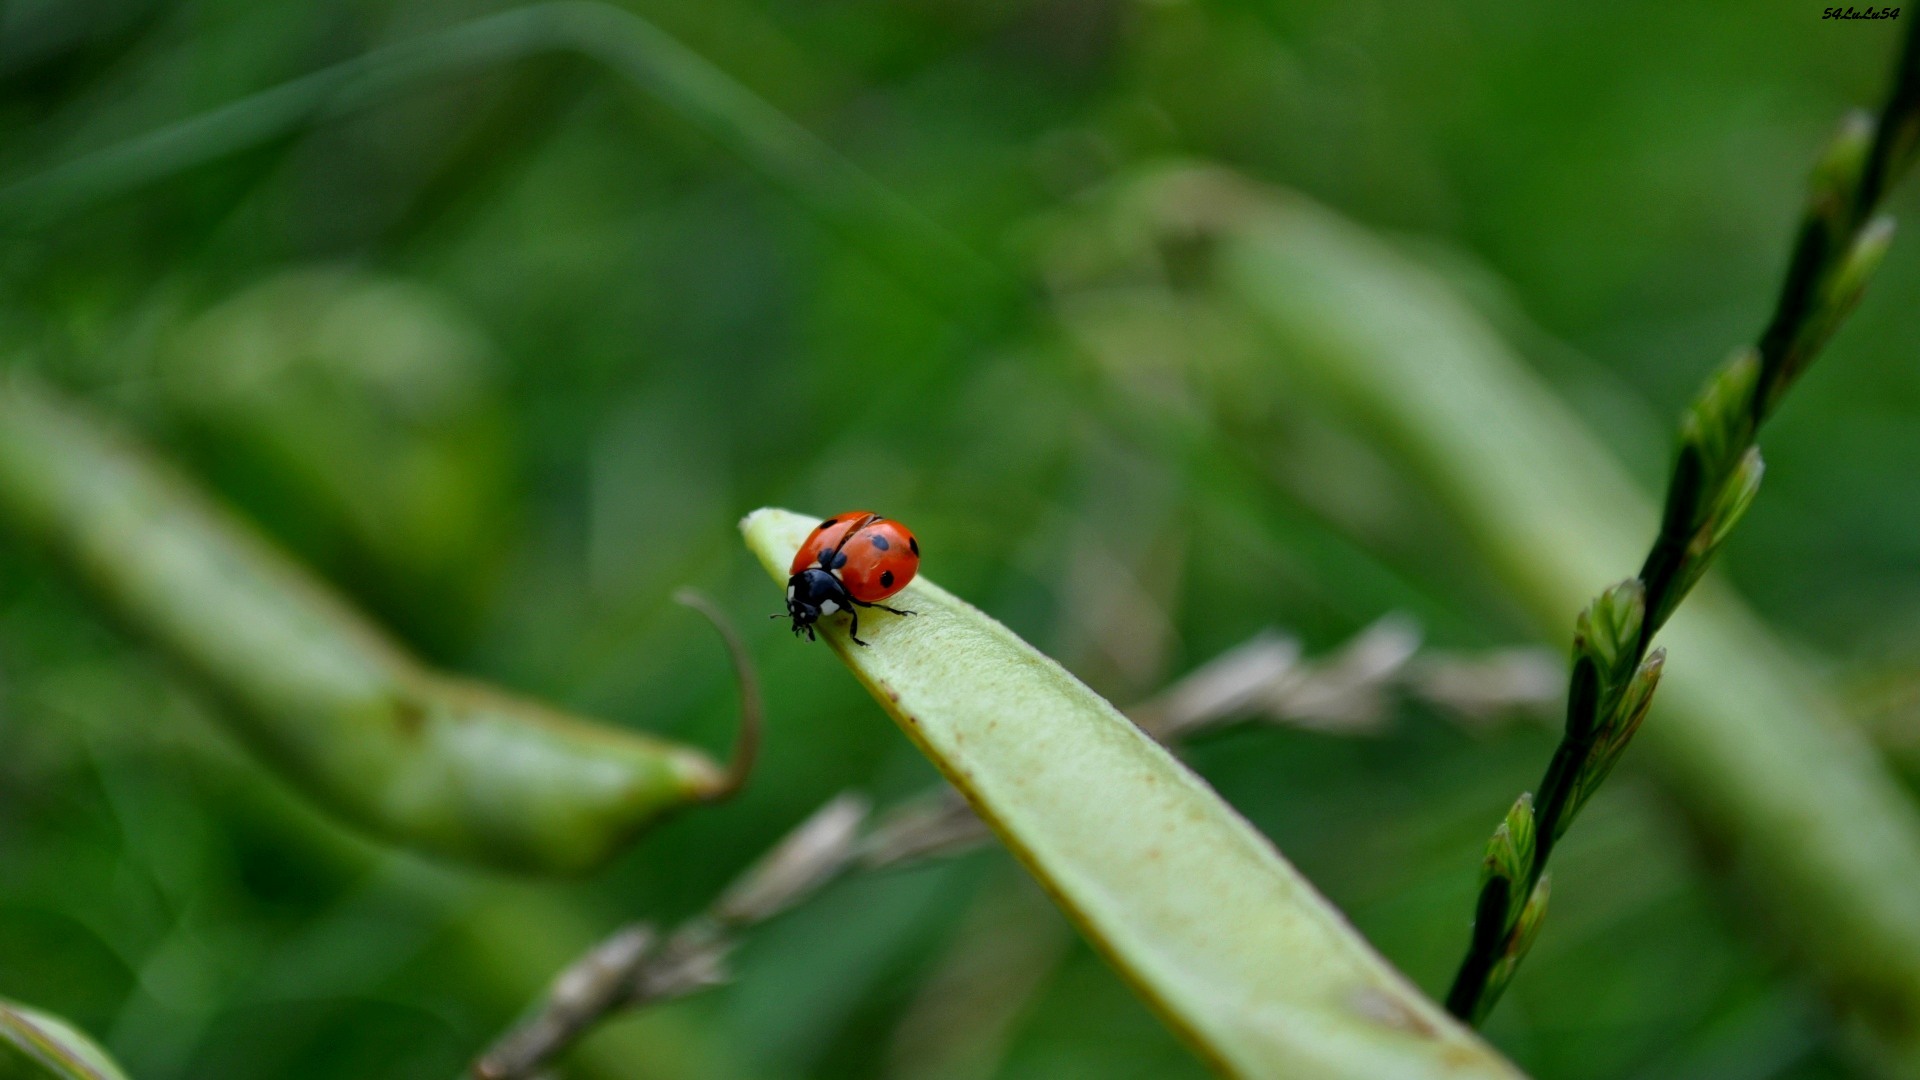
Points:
1510	857
418	757
1744	738
1607	637
1193	907
35	1046
1524	928
1715	476
1718	427
1714	481
674	326
1611	737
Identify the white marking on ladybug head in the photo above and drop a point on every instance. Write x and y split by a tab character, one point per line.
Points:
828	607
789	592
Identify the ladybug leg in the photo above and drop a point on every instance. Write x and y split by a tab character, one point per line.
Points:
853	626
884	607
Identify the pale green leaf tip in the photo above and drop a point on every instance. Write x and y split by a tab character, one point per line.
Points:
1838	169
766	538
1869	248
1719	422
1532	916
37	1046
1609	628
1510	851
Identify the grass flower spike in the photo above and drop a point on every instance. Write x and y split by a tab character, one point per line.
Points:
1715	476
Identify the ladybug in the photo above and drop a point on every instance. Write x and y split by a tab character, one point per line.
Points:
850	561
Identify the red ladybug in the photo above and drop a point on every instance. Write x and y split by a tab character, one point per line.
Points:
850	561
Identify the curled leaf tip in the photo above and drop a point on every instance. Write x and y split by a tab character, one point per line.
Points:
746	744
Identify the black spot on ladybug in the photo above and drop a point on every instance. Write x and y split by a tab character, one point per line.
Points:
913	544
839	560
829	523
886	579
881	543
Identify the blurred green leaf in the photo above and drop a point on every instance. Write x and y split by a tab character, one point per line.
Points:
1214	928
896	233
35	1046
343	713
1748	736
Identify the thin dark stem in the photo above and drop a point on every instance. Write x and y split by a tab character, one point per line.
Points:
1894	138
1489	916
1713	473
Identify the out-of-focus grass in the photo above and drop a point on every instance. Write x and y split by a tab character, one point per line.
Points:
654	340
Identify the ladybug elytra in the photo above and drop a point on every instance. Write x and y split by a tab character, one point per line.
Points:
850	561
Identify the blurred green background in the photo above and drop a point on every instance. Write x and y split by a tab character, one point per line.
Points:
505	354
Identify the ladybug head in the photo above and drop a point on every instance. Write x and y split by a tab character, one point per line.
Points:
813	594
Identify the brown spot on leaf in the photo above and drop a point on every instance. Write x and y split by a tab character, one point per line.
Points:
1389	1011
409	715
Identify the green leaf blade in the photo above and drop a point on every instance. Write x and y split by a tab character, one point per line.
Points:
1235	950
36	1046
1748	736
315	690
